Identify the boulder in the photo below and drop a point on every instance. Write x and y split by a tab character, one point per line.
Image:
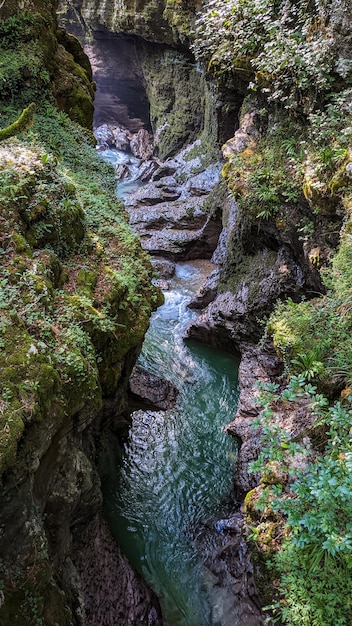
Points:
141	145
150	391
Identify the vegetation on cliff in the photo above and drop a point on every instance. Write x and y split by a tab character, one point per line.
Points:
75	293
293	177
75	290
38	62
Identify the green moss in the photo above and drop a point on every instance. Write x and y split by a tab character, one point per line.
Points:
267	179
246	269
75	296
24	122
87	280
33	66
20	243
175	91
66	325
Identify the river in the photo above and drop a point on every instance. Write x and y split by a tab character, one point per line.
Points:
176	469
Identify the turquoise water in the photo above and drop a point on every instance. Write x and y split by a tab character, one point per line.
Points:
176	469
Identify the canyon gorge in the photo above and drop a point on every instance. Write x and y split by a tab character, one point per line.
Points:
207	198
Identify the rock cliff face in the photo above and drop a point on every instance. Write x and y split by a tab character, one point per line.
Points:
259	261
71	275
159	79
64	379
161	21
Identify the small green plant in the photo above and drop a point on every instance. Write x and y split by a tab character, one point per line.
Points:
268	179
308	364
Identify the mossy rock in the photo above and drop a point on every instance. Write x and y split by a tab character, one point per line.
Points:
32	597
274	474
319	196
24	122
37	66
74	47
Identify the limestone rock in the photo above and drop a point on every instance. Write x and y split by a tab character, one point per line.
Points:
233	316
262	364
170	214
141	145
112	592
150	391
247	135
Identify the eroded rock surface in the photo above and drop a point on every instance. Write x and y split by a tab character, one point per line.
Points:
229	576
150	391
170	214
111	592
261	364
234	316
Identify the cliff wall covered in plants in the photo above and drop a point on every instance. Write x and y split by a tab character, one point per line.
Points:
288	166
75	302
284	267
276	77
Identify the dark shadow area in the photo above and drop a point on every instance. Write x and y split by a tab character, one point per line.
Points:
120	94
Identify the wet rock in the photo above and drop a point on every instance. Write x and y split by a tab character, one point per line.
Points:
151	194
202	183
164	170
164	268
141	145
122	171
234	316
168	183
170	213
150	391
121	138
207	292
228	573
113	136
146	170
232	524
112	592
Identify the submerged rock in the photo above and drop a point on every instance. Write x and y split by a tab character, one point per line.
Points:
150	391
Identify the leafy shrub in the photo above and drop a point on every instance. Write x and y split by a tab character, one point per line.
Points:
266	180
318	333
285	48
315	560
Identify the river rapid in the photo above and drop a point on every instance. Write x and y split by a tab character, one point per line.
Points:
175	472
